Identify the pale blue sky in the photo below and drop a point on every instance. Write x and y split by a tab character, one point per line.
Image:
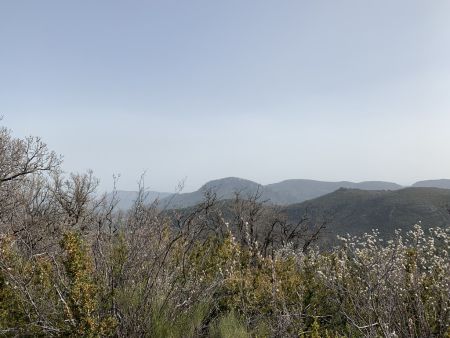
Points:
265	90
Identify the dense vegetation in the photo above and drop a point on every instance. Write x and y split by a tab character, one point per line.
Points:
70	265
357	211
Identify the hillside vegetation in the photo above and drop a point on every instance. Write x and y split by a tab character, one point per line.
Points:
357	211
71	265
443	184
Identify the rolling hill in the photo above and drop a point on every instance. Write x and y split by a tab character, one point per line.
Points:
349	207
357	211
282	193
443	184
296	191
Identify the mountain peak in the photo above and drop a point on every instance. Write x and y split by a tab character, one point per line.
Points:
229	182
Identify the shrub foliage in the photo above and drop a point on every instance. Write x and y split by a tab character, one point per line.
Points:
71	265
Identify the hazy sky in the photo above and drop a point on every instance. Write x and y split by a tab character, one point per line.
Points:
264	90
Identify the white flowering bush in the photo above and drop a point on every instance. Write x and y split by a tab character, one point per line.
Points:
398	288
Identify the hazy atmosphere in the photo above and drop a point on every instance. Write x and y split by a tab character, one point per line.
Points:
282	168
264	90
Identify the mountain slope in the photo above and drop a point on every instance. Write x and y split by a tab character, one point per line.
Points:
282	193
443	184
296	191
224	188
357	211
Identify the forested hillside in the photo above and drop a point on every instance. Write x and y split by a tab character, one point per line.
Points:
358	211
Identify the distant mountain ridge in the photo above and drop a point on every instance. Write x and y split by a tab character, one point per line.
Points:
347	207
442	183
299	190
282	193
286	192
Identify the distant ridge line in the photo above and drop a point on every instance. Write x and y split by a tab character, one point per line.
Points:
286	192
